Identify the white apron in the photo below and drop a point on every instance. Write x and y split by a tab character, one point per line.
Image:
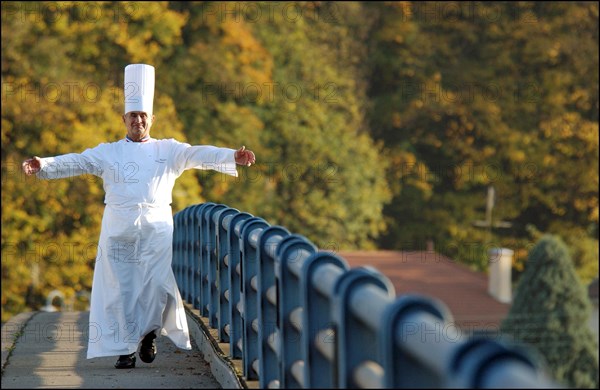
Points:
134	290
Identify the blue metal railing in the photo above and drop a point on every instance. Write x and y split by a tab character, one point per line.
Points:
298	317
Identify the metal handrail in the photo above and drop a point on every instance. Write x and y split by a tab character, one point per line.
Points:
298	317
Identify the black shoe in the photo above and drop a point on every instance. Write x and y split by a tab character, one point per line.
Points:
148	348
126	361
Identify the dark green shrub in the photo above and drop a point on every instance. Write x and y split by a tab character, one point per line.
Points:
551	312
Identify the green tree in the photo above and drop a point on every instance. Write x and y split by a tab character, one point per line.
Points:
467	95
318	172
551	311
374	123
289	84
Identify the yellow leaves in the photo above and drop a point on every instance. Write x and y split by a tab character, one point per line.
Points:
417	103
571	136
249	52
236	33
554	51
581	98
405	169
7	128
49	139
404	6
561	126
593	216
517	156
455	231
151	28
488	151
548	160
396	120
583	204
588	132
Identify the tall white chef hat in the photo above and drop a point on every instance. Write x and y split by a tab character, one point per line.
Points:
139	88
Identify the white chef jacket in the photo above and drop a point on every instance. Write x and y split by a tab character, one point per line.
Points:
134	290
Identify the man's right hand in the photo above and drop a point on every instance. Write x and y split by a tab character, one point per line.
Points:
32	165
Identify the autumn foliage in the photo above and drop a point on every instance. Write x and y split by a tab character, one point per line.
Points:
375	124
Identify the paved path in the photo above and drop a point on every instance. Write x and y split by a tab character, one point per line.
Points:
50	353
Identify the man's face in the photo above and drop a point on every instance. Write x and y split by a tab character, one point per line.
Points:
138	124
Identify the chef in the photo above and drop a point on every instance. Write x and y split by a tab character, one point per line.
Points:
134	294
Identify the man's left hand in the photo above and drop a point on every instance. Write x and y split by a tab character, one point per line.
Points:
244	157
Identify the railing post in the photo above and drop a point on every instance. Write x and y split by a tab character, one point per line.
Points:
204	260
318	322
250	298
432	328
198	276
486	363
236	308
189	254
177	243
355	341
223	286
290	308
268	327
185	258
211	250
193	234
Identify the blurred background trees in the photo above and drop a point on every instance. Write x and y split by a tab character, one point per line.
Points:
375	125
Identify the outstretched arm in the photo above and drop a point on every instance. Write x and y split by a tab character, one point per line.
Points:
66	165
244	157
223	160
